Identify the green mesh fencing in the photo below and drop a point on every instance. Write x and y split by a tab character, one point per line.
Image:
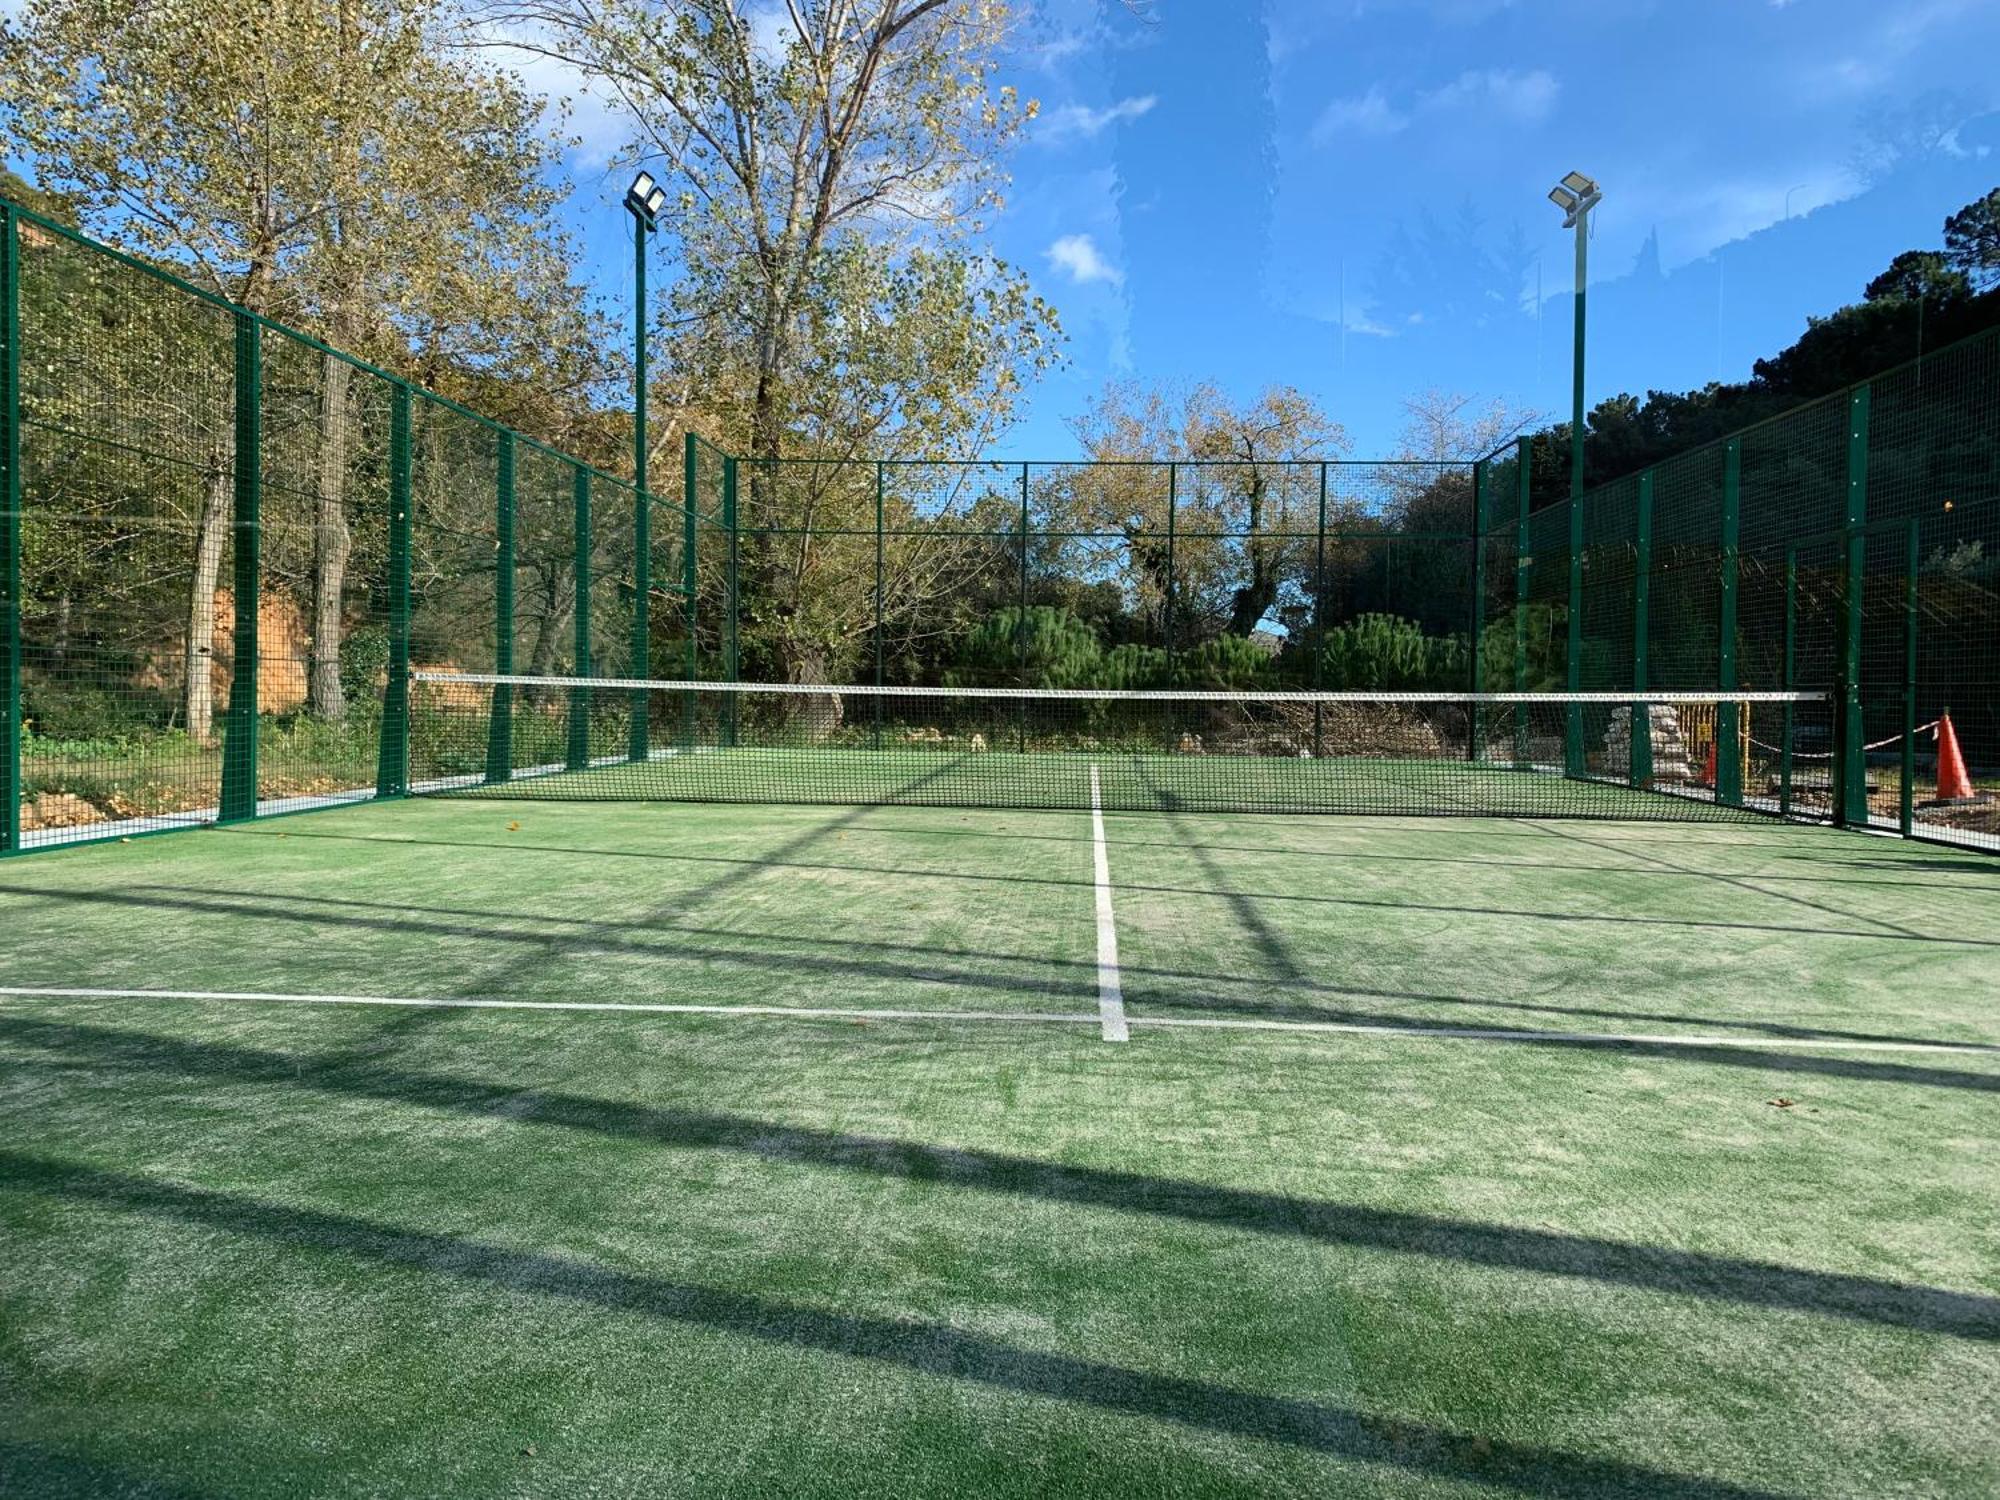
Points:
225	549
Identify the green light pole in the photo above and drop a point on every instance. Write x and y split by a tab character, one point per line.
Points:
1576	195
643	200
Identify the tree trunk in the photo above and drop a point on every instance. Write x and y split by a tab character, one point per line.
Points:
332	544
211	532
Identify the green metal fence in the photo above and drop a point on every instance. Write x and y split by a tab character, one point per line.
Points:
224	546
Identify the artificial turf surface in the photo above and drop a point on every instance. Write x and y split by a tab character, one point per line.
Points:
257	1248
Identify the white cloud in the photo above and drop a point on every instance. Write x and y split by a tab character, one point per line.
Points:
1071	121
1522	98
1369	114
1079	256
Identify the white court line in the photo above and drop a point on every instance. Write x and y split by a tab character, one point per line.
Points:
644	1007
1110	992
1059	1018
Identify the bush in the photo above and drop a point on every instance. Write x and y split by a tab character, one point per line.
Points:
364	664
1391	654
1043	646
1228	663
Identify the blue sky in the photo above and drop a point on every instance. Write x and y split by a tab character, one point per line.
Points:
1219	193
1212	195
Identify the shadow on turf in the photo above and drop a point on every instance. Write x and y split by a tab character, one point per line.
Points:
28	1469
1696	1273
1013	879
923	969
928	1348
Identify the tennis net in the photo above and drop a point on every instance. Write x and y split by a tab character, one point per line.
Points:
1495	754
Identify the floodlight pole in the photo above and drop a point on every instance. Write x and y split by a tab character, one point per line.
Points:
1576	357
643	201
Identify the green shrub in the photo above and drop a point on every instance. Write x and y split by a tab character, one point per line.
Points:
1387	653
1228	663
1043	646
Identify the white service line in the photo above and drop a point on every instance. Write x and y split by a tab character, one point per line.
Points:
1058	1018
1110	992
650	1008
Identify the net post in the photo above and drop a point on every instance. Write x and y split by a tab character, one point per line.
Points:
239	735
1850	779
1524	563
880	484
392	764
1477	674
1728	714
730	665
10	530
1642	607
1791	670
1319	619
500	729
1906	802
1573	643
579	697
1167	617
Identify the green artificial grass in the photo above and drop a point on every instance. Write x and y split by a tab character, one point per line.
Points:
254	1248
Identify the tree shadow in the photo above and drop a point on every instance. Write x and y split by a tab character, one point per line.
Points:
29	1469
924	1347
1719	1277
1082	985
1020	880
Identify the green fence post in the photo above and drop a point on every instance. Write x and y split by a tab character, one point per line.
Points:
730	665
1906	802
879	485
1642	609
392	765
690	584
579	697
1319	618
1728	718
1475	735
1850	733
1524	563
10	531
1021	619
239	736
500	729
1573	644
1791	669
639	656
1167	617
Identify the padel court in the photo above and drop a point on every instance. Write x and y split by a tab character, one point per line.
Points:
788	1152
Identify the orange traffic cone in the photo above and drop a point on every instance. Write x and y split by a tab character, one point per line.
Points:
1953	785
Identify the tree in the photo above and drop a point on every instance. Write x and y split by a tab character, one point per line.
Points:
1920	275
1972	241
346	167
1244	503
830	167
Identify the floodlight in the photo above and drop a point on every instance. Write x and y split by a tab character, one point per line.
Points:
1563	199
642	186
656	201
1579	184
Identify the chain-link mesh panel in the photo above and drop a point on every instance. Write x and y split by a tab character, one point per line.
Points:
128	421
323	605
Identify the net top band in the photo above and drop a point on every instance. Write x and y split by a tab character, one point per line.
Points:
1089	695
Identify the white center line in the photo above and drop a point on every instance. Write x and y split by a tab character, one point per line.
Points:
1110	993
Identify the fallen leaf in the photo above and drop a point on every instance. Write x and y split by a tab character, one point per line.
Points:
513	827
1781	1103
